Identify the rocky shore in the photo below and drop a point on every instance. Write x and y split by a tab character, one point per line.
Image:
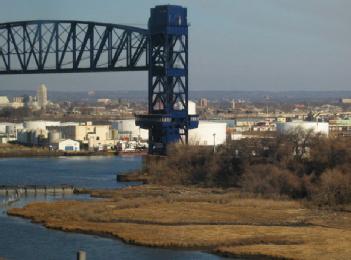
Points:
220	221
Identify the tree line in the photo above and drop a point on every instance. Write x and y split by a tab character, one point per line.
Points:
300	165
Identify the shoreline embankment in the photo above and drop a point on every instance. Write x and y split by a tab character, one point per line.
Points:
14	151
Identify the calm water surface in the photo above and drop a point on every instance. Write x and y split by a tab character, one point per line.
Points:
20	239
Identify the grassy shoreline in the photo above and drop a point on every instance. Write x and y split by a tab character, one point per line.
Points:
219	221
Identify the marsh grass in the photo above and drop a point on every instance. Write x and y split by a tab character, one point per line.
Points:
223	221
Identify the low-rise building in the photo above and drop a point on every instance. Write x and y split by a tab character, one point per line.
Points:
105	101
346	100
4	101
342	126
316	127
68	145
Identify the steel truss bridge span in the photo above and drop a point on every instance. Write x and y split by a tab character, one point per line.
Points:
49	46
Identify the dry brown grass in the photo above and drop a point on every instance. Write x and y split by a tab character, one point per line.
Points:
11	147
221	221
15	150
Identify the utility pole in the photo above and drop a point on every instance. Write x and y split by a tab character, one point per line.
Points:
214	142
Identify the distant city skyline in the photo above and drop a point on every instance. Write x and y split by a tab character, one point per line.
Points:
273	45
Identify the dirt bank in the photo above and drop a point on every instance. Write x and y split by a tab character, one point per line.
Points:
220	221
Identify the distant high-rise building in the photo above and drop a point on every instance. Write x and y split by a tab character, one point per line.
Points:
42	96
233	104
203	102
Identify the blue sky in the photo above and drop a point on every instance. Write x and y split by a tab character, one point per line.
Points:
234	44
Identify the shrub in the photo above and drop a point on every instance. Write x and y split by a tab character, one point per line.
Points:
184	165
269	179
334	188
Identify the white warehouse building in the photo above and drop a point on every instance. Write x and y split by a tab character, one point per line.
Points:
208	133
68	145
316	127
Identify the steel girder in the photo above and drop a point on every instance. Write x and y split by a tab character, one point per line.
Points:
48	46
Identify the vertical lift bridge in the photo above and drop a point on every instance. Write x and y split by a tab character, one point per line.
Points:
47	46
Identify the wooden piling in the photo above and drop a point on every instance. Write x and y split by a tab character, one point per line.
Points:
81	255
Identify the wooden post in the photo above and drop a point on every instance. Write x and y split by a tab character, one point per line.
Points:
81	255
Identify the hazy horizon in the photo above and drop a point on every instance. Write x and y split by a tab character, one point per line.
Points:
192	90
271	45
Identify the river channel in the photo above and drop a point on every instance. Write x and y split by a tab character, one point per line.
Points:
20	239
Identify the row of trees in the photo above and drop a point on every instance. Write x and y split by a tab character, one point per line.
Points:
298	165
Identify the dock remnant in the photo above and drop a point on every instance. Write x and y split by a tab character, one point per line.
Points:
35	189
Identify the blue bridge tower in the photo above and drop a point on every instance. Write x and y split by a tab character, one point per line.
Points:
167	119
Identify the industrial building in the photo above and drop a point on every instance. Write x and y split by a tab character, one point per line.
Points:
124	134
56	142
32	136
40	124
10	128
68	145
8	131
316	127
127	129
93	136
208	133
34	132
